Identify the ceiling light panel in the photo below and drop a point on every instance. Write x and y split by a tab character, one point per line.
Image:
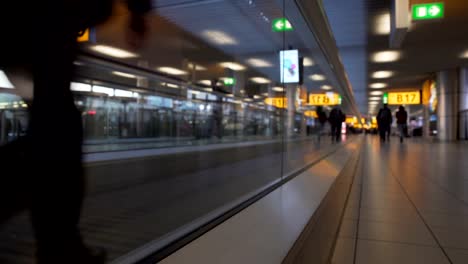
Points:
326	87
317	77
382	24
276	89
260	80
382	74
219	37
113	52
233	66
386	56
376	93
308	62
196	67
377	85
259	63
123	74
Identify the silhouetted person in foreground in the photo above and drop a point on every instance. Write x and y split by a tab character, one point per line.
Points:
43	172
402	120
336	118
384	122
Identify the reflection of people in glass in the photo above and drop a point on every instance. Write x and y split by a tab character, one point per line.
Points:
43	40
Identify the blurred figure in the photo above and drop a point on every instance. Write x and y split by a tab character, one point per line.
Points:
402	119
336	118
384	122
322	118
51	185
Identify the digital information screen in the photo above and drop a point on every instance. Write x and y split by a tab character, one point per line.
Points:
289	63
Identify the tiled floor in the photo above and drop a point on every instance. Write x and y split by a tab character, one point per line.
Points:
408	204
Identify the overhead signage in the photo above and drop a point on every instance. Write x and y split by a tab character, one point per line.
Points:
281	24
428	11
279	102
324	99
83	36
229	81
289	65
403	98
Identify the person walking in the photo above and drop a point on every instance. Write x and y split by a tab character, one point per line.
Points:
42	40
384	122
402	119
322	120
336	118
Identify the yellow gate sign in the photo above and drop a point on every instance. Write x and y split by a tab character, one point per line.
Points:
324	99
279	102
404	98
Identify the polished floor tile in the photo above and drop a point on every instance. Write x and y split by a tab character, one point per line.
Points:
344	251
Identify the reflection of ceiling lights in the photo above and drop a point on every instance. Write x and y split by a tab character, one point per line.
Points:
259	63
233	66
4	81
248	99
219	37
308	62
196	67
464	55
114	52
276	89
257	97
382	24
375	98
123	74
208	89
386	56
103	90
376	93
205	82
171	71
382	74
123	93
265	94
317	77
326	87
377	85
260	80
80	87
171	85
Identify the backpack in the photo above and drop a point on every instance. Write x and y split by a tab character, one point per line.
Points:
385	116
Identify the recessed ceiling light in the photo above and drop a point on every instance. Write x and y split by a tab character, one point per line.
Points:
377	85
386	56
382	24
257	97
208	89
375	98
4	81
114	52
373	103
326	87
260	80
205	82
171	71
266	94
276	89
308	62
233	66
219	37
376	93
317	77
123	74
171	85
196	67
382	74
259	63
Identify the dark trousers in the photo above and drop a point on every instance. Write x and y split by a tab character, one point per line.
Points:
336	132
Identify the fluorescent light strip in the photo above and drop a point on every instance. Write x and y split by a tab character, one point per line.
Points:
386	56
317	77
114	52
382	74
376	93
382	24
80	87
103	90
123	74
326	87
171	71
197	67
378	85
308	62
123	93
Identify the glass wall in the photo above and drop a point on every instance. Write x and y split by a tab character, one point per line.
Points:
217	97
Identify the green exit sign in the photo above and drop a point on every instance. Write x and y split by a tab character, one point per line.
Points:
385	98
428	11
229	81
281	24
